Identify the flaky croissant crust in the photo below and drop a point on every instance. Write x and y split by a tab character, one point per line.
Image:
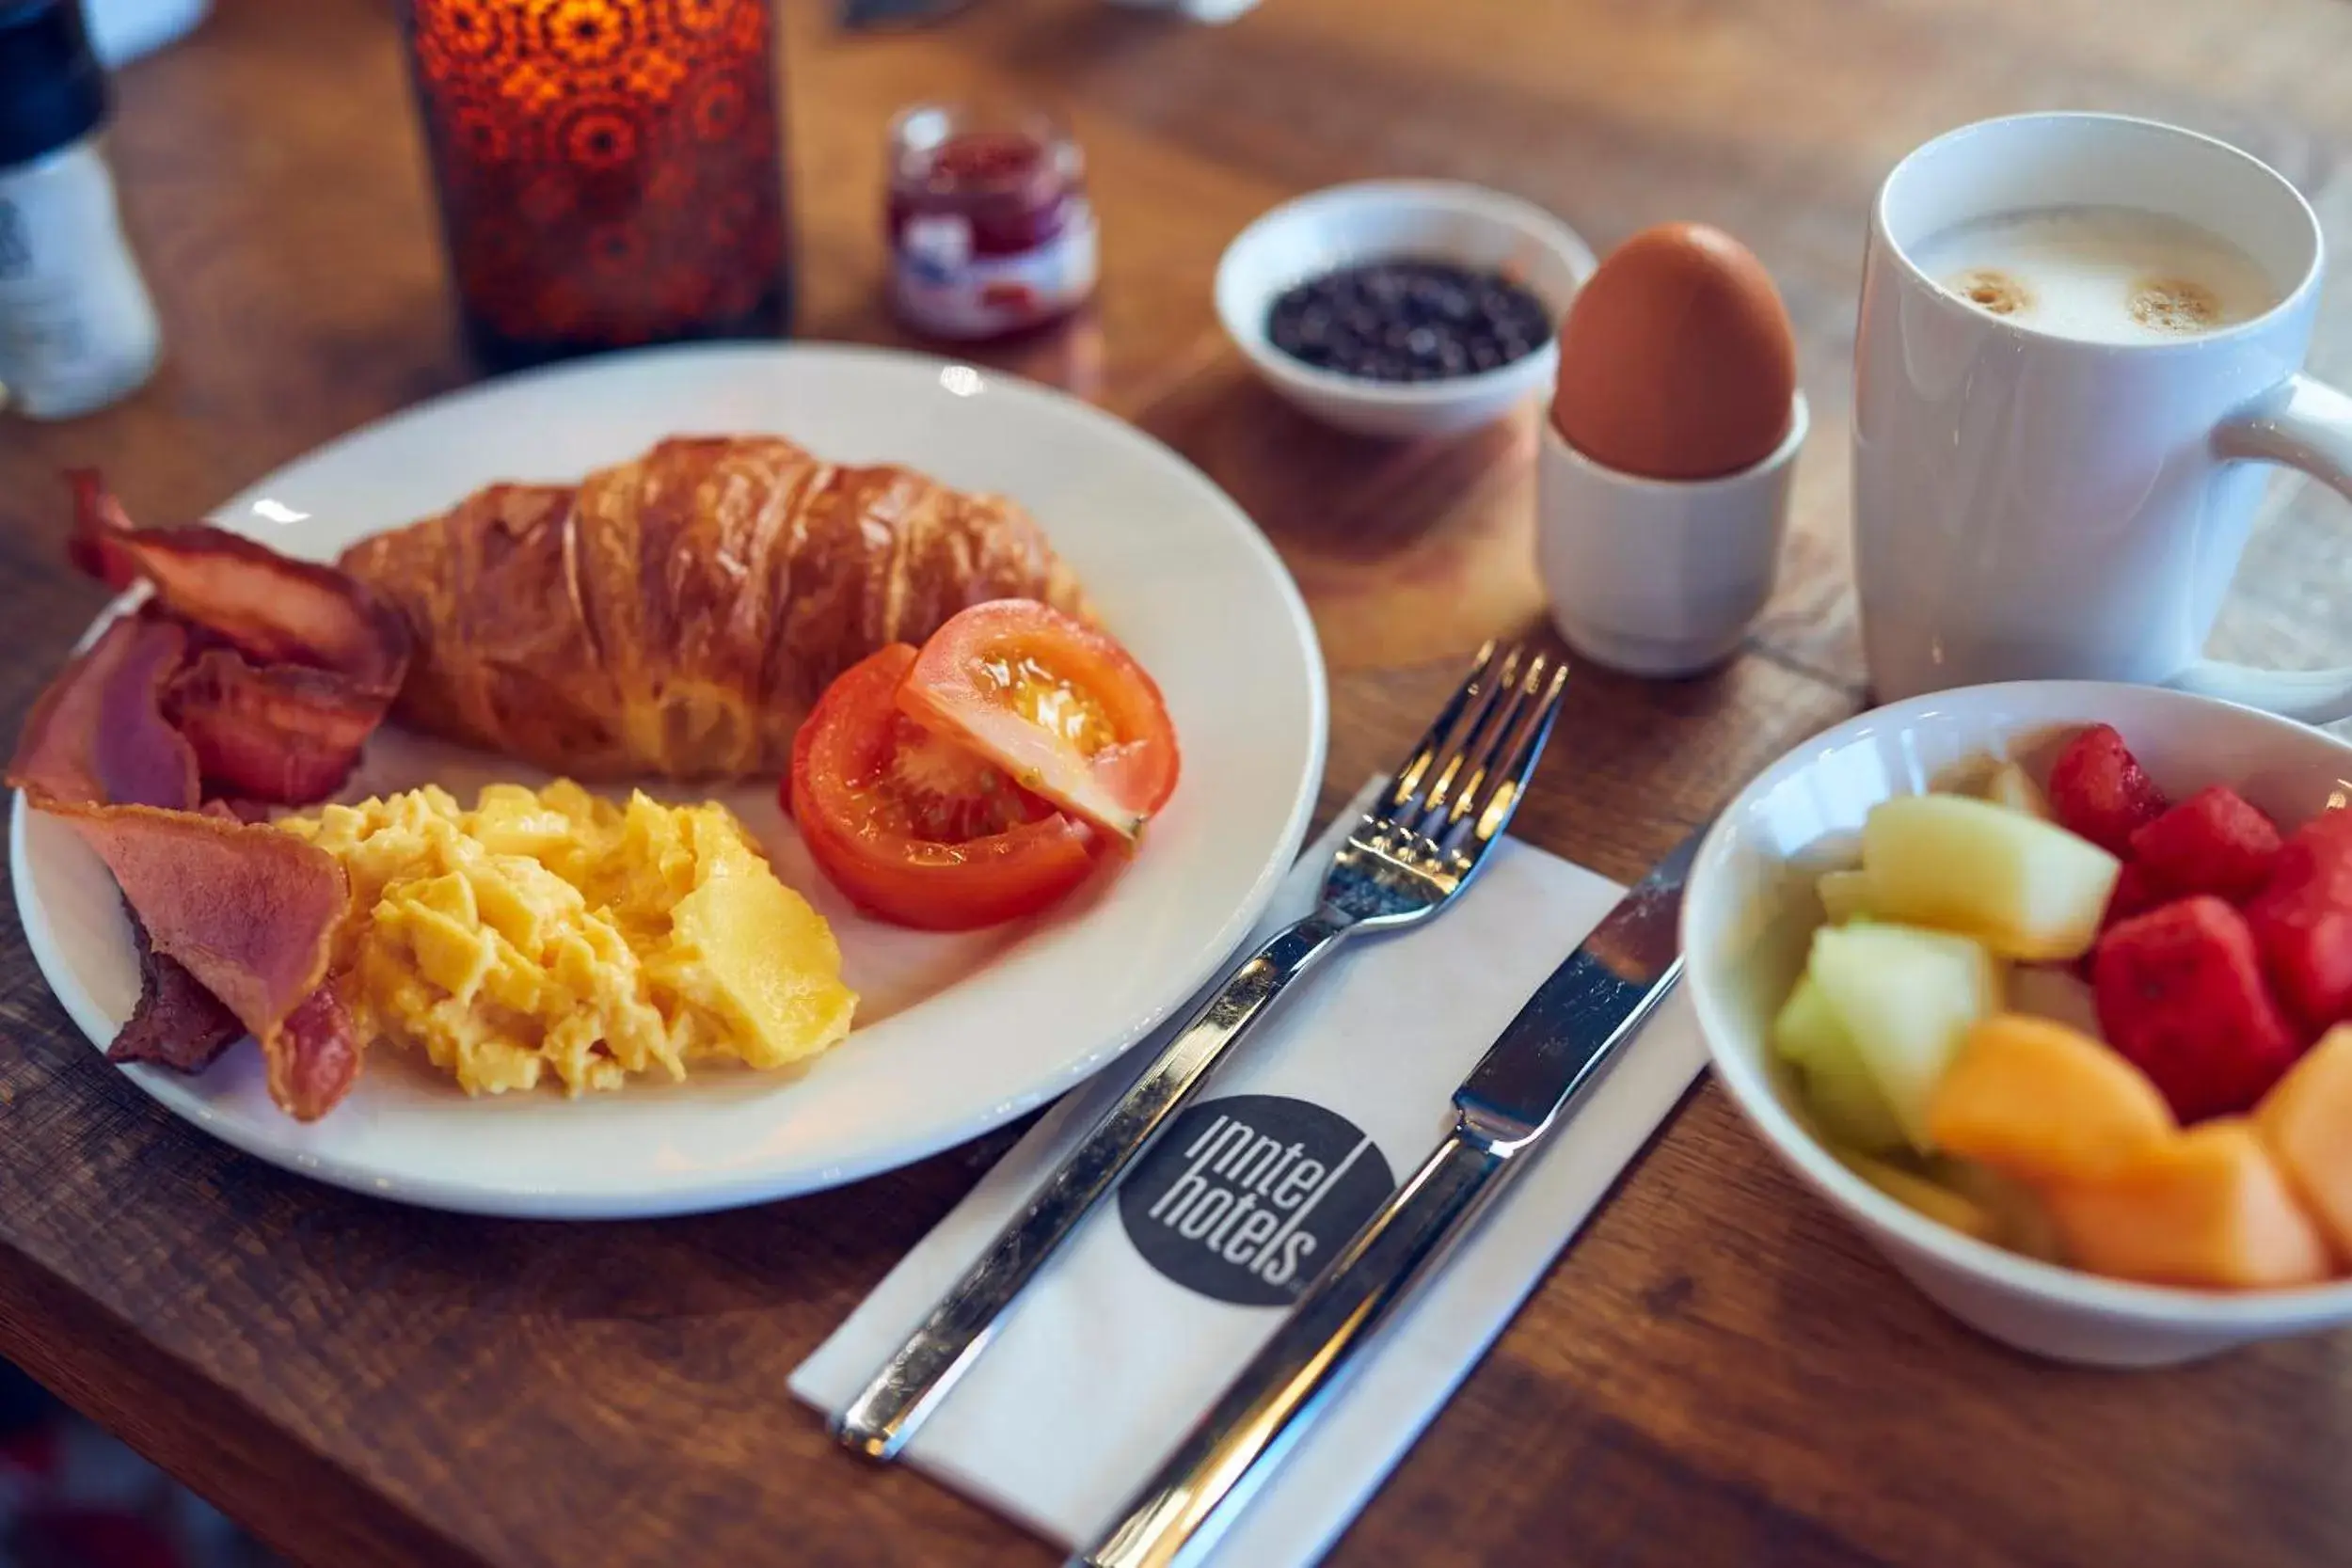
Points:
679	614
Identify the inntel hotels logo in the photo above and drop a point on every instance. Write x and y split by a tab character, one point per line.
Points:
1245	1200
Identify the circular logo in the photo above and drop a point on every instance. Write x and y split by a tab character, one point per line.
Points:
1245	1200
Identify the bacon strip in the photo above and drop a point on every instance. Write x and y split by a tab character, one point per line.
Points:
178	1023
279	671
98	734
251	913
235	926
260	678
271	732
250	676
274	608
249	910
316	1058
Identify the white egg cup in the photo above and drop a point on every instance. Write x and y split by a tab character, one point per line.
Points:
1659	577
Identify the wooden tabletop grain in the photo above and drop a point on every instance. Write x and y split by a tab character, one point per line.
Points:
1719	1372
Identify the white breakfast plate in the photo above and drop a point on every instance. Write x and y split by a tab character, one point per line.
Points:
956	1035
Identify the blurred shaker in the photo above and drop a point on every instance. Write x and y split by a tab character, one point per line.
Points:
77	330
123	30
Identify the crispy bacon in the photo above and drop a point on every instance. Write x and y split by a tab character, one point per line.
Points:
273	609
178	1023
315	1059
98	734
251	913
100	525
249	910
247	677
269	673
269	731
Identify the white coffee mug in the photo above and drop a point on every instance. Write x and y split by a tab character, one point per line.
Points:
2029	505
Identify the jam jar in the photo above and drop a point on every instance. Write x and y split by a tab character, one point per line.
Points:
991	232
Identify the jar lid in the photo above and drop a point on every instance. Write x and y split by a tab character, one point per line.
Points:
51	89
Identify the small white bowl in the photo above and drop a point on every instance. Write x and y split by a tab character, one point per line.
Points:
1746	920
1379	220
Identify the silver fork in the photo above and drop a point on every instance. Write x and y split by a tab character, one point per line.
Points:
1407	857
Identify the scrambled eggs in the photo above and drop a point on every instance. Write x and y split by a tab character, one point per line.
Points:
557	931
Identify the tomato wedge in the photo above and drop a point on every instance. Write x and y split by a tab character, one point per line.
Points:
1055	704
911	824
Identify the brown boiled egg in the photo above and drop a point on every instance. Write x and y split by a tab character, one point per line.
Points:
1676	360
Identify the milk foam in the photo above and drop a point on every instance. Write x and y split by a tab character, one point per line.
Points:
2110	275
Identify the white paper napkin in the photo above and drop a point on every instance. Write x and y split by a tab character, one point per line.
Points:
1116	1349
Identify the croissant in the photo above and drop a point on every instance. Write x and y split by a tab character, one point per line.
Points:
679	614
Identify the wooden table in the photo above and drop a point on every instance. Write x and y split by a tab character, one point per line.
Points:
1718	1372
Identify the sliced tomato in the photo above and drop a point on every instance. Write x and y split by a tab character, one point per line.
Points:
1055	704
913	825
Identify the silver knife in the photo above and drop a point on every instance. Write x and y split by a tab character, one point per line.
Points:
1535	1072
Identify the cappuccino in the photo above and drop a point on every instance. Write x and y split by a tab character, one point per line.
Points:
2108	274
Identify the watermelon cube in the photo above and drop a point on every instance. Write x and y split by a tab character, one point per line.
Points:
2181	993
2302	921
2215	841
2136	893
2098	789
2332	827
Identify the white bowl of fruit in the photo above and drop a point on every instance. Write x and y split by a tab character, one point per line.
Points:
2046	987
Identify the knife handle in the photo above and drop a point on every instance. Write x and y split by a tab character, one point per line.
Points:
1201	1487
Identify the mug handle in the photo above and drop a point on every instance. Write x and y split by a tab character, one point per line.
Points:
2302	425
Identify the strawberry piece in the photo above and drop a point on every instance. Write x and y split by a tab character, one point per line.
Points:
2136	893
2098	789
2180	992
2215	841
2302	921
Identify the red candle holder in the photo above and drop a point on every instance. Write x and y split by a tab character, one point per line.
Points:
609	171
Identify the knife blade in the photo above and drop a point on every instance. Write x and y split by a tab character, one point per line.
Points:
1543	1062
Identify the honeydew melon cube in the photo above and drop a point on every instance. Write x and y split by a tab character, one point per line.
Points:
2026	888
1838	1088
1907	997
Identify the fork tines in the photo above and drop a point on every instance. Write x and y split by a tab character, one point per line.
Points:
1460	783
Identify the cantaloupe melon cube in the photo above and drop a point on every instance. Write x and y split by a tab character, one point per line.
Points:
2026	888
2306	1123
2044	1103
1912	1191
2208	1208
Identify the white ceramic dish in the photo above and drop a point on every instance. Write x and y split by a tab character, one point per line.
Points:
1746	921
1659	577
956	1033
1372	219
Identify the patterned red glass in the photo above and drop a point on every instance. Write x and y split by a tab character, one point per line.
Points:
610	170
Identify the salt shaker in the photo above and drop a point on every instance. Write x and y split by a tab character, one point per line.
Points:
77	328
